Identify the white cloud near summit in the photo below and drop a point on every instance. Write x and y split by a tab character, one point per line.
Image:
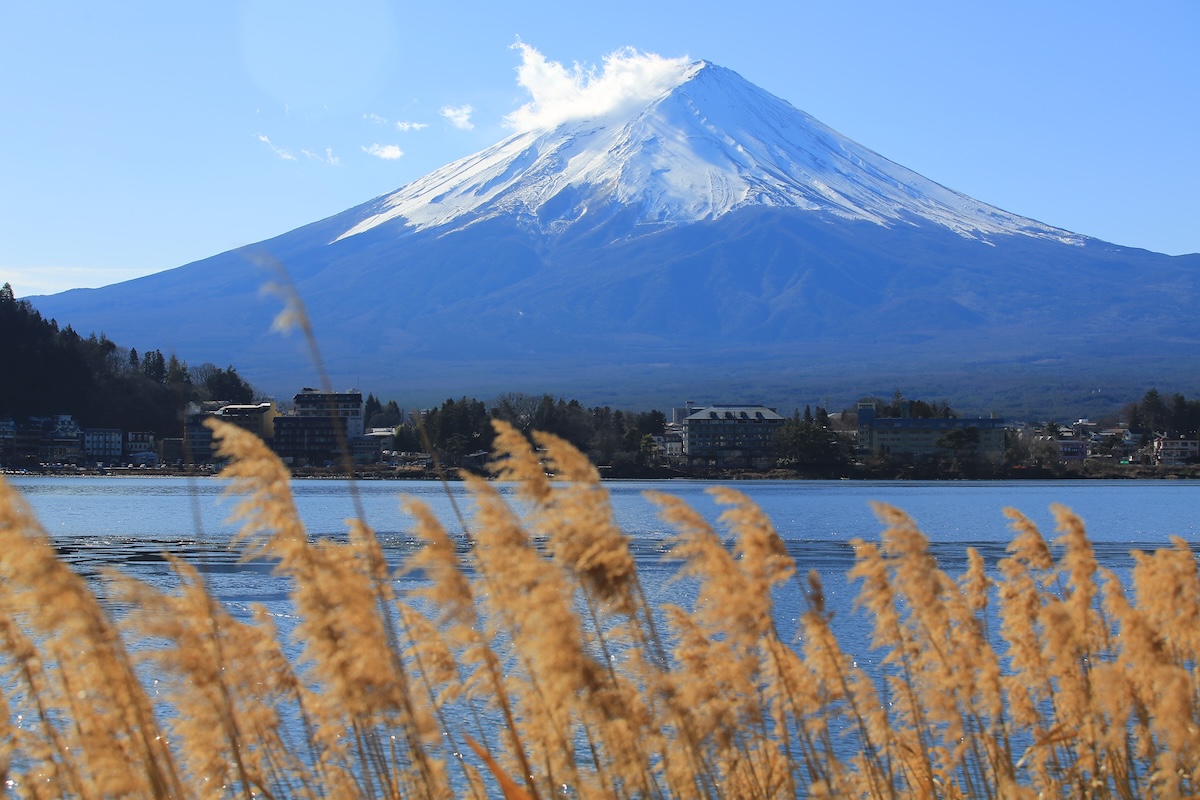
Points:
628	77
460	116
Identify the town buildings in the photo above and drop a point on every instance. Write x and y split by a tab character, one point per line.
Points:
319	427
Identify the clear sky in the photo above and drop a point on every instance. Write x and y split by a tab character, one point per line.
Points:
140	135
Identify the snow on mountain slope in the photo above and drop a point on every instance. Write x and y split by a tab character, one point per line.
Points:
707	146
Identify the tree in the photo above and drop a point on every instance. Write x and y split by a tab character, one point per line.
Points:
1154	411
963	444
651	422
371	407
1044	453
1110	446
1183	416
1133	417
407	439
800	443
154	366
177	371
648	451
387	416
227	385
1016	449
517	409
914	409
458	428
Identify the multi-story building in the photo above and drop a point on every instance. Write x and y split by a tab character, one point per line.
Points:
27	440
310	435
61	439
198	447
103	445
731	435
347	406
258	418
140	442
1175	452
918	436
197	438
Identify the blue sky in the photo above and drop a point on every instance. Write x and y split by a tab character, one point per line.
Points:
140	136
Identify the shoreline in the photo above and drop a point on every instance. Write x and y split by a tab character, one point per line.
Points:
400	474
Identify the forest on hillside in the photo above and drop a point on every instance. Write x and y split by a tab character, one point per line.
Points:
51	370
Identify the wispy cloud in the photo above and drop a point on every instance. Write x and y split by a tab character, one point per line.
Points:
559	94
282	152
328	157
404	126
459	116
388	152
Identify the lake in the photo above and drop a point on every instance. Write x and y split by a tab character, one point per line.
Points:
128	523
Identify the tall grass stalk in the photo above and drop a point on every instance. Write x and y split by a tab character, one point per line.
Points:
522	658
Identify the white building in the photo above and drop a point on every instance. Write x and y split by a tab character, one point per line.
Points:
103	444
1176	452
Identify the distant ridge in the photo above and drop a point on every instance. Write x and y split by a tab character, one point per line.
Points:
712	242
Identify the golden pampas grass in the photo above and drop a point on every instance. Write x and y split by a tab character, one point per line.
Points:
520	657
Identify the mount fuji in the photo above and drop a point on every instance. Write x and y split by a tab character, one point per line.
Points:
713	242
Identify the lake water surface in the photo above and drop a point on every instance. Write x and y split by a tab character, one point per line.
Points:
128	523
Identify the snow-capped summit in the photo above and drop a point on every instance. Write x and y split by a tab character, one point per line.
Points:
710	144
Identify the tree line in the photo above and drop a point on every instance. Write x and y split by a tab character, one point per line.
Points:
459	429
1174	416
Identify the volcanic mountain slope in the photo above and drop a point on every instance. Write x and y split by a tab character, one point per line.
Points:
712	145
714	242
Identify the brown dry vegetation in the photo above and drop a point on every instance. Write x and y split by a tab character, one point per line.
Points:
529	663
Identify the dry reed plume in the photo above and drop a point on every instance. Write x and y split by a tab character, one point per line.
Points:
523	659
